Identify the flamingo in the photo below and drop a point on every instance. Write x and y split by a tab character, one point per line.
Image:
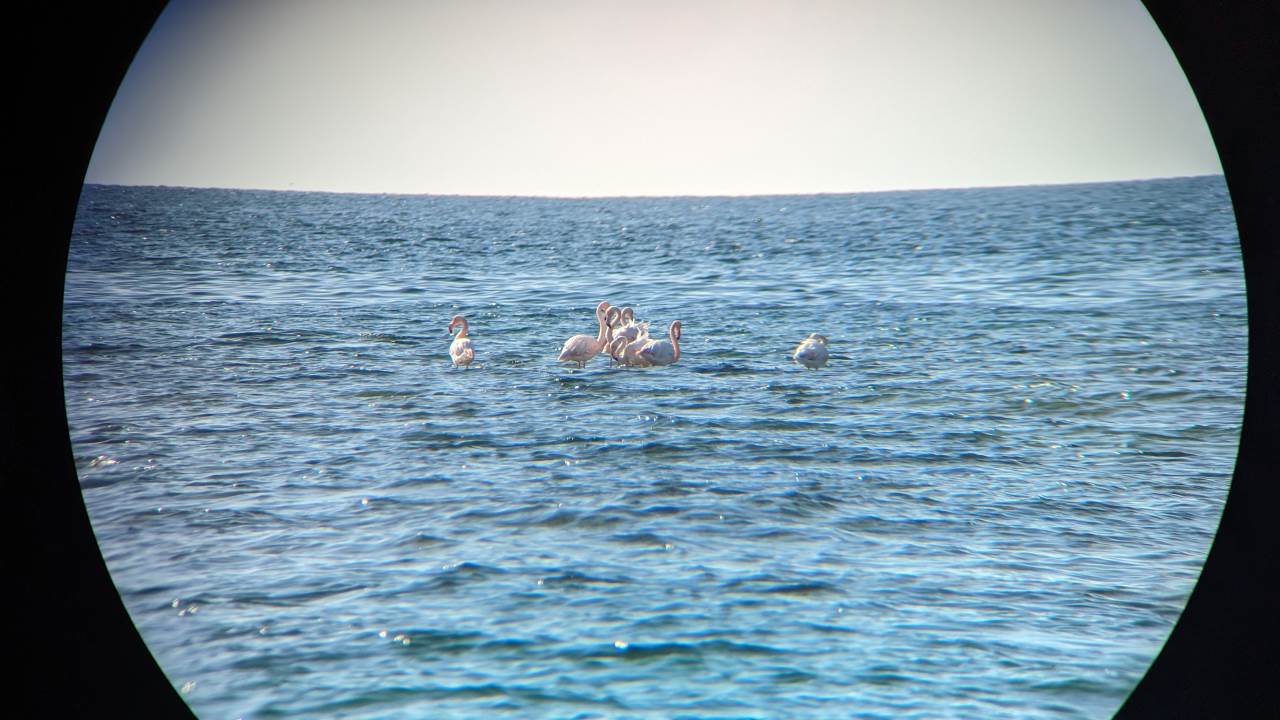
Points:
812	351
581	348
628	352
662	352
616	348
461	349
629	328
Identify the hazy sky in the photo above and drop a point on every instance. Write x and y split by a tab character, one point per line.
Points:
652	97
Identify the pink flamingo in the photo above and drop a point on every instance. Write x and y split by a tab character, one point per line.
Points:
581	348
663	352
461	349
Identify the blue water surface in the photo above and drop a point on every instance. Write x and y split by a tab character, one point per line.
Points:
992	503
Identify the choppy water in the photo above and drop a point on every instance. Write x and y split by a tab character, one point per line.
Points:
993	503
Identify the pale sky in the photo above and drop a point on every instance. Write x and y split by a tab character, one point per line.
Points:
650	97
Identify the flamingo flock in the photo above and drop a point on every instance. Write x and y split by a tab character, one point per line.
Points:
627	342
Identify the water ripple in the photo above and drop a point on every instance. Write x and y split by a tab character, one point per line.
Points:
993	502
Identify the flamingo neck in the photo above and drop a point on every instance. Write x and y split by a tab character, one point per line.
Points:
603	337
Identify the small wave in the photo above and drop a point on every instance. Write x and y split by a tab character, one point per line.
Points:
419	480
452	577
437	641
484	514
1083	686
297	599
696	650
574	580
647	539
659	449
725	369
453	441
768	584
422	539
382	337
888	677
260	336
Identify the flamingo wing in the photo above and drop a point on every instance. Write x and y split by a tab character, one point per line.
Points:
658	352
462	351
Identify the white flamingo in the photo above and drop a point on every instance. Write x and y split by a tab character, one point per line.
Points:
461	349
581	348
662	352
812	351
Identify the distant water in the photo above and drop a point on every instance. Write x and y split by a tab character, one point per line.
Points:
993	503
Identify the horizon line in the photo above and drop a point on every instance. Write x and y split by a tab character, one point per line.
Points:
658	196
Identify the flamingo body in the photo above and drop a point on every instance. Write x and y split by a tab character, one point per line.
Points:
662	352
581	348
461	350
628	352
812	351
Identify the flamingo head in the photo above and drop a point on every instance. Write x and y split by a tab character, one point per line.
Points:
628	315
602	308
610	322
456	321
613	317
675	330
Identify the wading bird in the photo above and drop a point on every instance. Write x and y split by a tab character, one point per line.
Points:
812	351
581	348
662	352
461	349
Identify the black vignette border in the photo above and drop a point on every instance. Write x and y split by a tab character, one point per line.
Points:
1220	659
78	653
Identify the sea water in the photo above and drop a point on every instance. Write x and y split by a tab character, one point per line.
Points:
992	503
